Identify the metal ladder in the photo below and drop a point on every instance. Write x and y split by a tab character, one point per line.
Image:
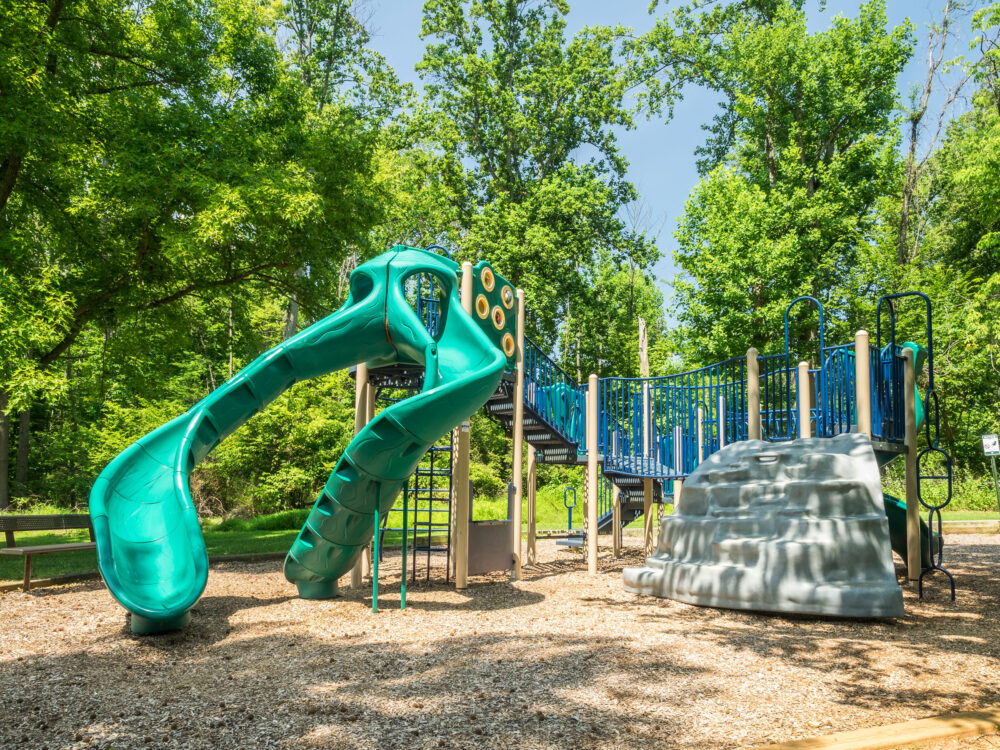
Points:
427	499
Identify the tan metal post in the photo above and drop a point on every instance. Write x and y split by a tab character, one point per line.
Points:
518	438
532	557
862	383
753	395
366	558
647	484
460	479
462	508
360	420
805	408
913	565
592	474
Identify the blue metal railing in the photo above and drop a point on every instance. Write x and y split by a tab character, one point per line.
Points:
776	414
605	497
651	427
420	291
888	400
638	418
553	394
837	400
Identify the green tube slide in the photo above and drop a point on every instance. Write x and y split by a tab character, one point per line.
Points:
895	509
149	544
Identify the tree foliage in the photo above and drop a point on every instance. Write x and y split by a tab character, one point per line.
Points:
794	168
176	176
526	117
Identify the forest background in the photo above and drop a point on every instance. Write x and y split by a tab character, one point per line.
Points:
185	183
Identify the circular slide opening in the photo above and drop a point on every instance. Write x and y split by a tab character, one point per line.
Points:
482	307
489	280
507	297
508	345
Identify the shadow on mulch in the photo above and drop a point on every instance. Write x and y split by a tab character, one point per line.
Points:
295	690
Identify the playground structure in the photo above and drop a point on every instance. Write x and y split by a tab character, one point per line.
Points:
406	327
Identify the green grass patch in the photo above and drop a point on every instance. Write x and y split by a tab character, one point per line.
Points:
965	515
275	532
85	561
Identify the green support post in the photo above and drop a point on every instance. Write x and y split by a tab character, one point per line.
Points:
402	585
375	563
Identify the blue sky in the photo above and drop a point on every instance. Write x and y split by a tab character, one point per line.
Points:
661	155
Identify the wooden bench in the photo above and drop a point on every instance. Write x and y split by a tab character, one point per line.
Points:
11	524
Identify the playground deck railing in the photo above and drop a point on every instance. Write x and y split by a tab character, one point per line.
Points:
662	427
553	394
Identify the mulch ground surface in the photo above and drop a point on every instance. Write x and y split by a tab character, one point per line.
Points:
557	660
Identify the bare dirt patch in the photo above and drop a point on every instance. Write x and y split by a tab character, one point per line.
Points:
557	660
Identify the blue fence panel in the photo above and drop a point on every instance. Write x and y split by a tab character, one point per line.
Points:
605	497
640	417
777	404
888	404
838	400
553	394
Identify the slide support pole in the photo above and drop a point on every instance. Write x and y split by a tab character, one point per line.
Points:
753	395
862	383
402	585
461	510
913	565
805	408
530	482
518	439
360	420
460	480
375	561
592	474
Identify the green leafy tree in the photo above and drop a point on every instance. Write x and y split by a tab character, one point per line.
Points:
958	265
154	161
526	117
795	166
610	348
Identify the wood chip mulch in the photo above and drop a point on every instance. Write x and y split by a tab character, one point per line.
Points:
558	660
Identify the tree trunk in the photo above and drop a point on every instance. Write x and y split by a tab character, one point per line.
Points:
934	60
230	338
4	452
772	157
909	185
23	444
291	326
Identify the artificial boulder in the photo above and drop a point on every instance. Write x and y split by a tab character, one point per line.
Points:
779	527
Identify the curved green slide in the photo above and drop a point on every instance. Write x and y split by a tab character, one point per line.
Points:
149	545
